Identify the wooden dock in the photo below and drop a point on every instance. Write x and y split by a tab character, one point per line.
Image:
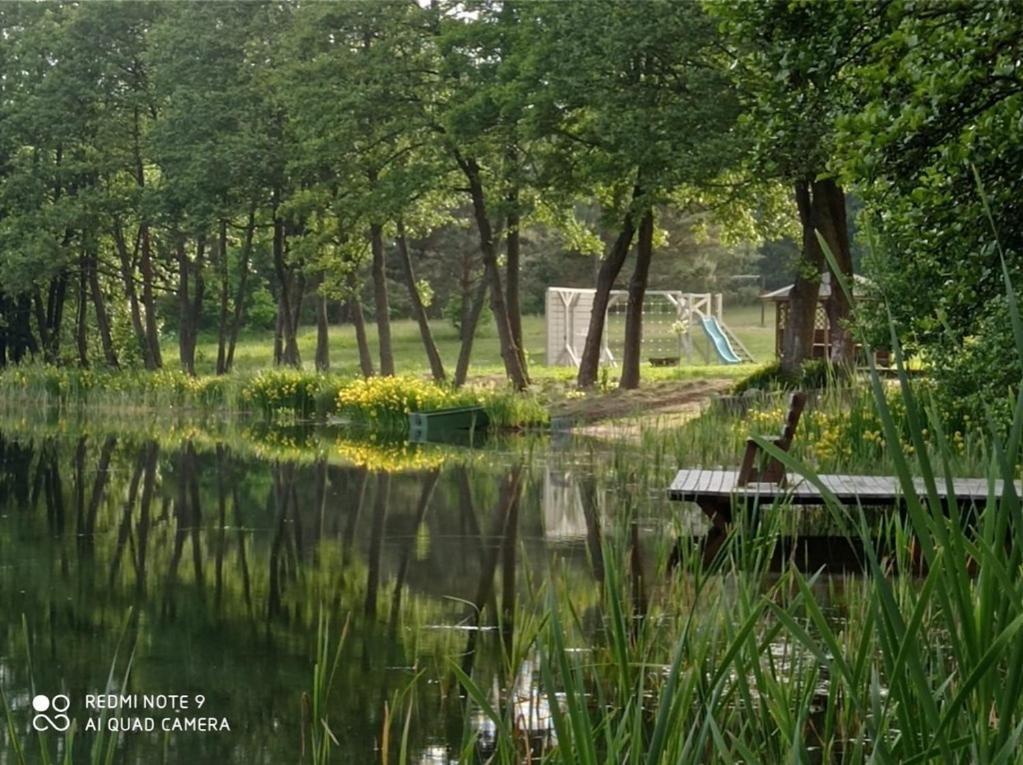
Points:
715	490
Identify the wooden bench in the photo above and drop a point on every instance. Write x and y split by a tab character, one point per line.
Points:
758	467
761	480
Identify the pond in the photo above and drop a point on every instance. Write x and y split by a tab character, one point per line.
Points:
145	563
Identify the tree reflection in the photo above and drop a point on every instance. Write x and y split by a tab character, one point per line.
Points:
226	560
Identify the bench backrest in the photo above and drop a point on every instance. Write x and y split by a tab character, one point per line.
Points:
771	471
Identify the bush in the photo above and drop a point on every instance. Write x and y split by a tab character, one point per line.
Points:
383	402
389	400
453	313
814	374
301	394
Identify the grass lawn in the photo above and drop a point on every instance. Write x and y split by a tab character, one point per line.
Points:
255	349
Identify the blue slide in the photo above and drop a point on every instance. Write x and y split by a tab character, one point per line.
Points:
719	341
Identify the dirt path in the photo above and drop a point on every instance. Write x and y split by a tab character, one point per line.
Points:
623	413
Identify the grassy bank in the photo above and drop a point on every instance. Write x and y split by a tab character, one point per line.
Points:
255	386
841	431
278	394
255	349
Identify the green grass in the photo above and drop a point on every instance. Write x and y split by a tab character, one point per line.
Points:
382	403
255	349
841	431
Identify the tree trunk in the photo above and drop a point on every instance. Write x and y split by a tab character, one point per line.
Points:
797	337
3	331
20	340
631	356
189	305
383	315
225	292
55	310
589	363
50	316
154	358
279	335
418	310
365	357
322	333
512	268
148	301
197	301
289	354
829	207
81	338
243	278
43	326
128	279
510	353
473	296
471	312
297	298
102	317
184	309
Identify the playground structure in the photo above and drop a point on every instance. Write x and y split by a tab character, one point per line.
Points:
821	348
677	326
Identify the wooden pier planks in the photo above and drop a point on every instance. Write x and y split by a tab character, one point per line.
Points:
716	485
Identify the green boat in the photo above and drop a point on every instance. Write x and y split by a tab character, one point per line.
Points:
442	423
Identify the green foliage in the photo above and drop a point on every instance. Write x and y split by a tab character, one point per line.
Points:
132	132
936	106
453	309
635	56
841	430
387	402
814	374
68	386
277	394
916	662
300	394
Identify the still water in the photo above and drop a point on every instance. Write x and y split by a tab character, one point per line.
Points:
184	579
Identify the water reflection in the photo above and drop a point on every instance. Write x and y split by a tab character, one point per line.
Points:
530	713
223	558
224	562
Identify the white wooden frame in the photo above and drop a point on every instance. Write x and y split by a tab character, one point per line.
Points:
568	312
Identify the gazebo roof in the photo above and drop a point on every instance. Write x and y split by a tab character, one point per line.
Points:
782	294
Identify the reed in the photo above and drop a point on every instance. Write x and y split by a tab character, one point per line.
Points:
63	749
317	733
280	395
920	659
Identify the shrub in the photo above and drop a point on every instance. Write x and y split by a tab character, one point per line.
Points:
814	374
301	394
389	400
383	402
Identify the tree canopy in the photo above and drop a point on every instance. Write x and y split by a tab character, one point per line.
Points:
168	169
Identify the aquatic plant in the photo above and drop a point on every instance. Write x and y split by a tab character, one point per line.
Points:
277	394
314	712
388	401
921	660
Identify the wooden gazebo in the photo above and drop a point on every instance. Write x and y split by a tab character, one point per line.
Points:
821	332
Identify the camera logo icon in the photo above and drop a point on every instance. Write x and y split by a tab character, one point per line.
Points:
50	713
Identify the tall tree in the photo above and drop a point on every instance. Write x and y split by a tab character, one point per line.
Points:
936	104
418	308
662	121
790	68
219	142
371	140
483	85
